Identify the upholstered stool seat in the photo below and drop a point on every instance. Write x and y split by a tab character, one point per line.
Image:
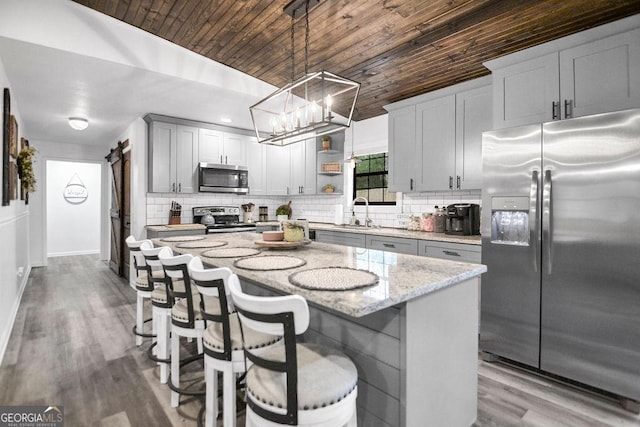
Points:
142	281
325	377
214	338
301	384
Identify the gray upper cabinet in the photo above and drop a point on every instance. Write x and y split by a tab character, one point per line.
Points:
571	79
256	154
222	147
436	131
403	172
173	158
302	168
443	129
277	169
473	117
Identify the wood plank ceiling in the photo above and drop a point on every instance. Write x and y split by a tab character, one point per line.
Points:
395	48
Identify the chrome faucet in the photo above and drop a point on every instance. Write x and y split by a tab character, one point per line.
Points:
367	220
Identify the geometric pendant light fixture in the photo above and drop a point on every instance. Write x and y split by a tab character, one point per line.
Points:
318	103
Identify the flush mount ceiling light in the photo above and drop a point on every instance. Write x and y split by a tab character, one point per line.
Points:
78	123
316	104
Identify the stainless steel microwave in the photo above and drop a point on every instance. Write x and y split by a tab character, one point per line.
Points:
215	178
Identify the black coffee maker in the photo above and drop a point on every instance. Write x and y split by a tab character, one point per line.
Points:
463	219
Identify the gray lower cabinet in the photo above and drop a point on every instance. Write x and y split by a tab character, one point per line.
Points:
340	238
155	234
450	251
392	244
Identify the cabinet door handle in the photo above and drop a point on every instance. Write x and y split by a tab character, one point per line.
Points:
555	110
411	184
458	182
220	158
180	188
568	108
287	190
450	183
173	187
388	245
226	160
451	253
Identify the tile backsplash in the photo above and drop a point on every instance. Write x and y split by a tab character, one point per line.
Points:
313	208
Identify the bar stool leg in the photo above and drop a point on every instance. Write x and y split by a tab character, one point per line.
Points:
211	399
163	344
175	368
229	397
139	318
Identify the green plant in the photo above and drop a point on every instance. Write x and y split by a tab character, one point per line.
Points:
25	169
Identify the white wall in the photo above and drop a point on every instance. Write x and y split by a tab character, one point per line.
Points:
14	242
48	150
73	225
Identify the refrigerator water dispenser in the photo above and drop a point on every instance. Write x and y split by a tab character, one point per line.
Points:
510	220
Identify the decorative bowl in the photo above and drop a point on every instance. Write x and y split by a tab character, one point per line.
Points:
273	236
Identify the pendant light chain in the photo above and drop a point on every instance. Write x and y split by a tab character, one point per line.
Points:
306	38
293	60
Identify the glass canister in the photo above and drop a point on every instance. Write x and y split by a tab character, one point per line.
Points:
427	222
414	223
441	220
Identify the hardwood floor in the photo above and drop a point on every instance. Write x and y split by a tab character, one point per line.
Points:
72	345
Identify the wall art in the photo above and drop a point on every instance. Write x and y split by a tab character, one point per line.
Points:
13	137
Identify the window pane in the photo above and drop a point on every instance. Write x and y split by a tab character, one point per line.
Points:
389	196
362	182
364	166
363	193
376	195
377	164
376	181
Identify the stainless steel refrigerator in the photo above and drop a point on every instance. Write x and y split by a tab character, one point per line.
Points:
561	239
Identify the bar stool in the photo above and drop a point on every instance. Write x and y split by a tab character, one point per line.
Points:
140	283
161	309
186	320
306	384
222	340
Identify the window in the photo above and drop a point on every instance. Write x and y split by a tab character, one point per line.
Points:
370	180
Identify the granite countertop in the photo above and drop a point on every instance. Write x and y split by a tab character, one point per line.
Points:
176	227
388	231
402	277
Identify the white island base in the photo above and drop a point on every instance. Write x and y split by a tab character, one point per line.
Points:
440	354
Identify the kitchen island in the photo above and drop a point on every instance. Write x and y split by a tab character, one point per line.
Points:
413	335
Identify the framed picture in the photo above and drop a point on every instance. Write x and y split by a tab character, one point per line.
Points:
13	138
6	116
13	181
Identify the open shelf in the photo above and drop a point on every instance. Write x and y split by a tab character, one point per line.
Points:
329	173
329	152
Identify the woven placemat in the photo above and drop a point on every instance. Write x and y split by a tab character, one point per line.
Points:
270	262
202	245
182	238
230	252
333	278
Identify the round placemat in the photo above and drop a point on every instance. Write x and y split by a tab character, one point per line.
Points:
270	262
230	252
201	244
182	238
333	278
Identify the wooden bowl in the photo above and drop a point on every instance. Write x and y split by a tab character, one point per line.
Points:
273	236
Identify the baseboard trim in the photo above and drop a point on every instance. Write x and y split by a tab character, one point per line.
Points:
4	342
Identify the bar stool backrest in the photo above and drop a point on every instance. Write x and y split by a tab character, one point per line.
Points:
287	316
152	262
176	268
212	282
134	245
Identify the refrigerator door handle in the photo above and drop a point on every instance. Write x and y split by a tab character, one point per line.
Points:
547	214
534	234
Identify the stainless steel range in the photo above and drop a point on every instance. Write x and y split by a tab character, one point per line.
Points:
221	219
